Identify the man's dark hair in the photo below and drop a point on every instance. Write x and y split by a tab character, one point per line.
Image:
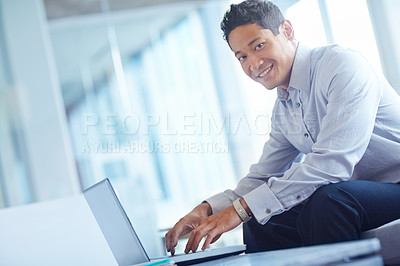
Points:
264	13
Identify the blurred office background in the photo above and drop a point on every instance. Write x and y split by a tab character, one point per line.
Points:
148	94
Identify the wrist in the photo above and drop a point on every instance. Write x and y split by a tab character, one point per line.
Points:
205	208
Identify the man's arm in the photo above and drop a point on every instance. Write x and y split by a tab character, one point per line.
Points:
277	157
217	215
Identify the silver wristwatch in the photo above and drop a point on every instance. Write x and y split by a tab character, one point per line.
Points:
241	211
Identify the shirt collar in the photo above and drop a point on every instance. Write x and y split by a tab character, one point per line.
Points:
300	76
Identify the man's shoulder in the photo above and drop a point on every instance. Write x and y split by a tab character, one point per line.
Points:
332	51
333	57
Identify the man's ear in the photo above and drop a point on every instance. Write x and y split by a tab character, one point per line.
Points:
286	28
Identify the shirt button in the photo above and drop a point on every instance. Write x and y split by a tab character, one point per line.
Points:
306	135
297	104
268	211
298	197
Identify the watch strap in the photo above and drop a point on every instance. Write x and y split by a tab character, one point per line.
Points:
241	211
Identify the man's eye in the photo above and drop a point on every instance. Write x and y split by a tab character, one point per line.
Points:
259	46
242	58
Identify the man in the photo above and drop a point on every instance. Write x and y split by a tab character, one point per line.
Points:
330	168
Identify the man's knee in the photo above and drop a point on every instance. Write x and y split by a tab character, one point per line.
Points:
257	237
279	232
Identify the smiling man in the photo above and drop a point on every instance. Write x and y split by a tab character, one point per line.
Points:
331	166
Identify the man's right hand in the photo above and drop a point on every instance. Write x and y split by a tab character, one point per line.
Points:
186	224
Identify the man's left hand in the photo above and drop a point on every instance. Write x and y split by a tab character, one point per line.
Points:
212	228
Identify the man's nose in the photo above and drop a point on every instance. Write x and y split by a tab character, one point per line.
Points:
255	63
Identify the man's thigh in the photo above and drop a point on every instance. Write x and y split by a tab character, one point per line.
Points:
371	204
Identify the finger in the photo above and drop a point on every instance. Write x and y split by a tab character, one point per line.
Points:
199	236
215	238
171	239
190	241
210	236
172	246
194	236
174	242
167	241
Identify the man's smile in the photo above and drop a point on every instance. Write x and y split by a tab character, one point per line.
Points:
265	72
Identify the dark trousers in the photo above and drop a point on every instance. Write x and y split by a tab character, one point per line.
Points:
335	212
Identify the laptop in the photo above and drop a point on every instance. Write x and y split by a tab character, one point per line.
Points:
122	238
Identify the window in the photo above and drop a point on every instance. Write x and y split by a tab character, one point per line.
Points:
351	27
343	22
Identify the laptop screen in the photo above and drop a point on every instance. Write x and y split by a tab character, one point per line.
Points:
114	223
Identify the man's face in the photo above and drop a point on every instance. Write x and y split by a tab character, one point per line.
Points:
264	57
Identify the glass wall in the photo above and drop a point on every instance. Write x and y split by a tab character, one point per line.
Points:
36	162
14	188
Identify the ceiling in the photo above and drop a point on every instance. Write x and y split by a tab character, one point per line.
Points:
67	8
56	9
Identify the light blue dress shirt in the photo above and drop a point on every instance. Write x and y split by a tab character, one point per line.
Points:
338	120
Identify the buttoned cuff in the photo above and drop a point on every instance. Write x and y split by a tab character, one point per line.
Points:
218	202
263	203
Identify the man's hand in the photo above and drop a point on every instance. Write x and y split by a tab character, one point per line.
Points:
213	227
186	224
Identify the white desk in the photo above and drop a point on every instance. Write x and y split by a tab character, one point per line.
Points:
65	232
331	254
59	232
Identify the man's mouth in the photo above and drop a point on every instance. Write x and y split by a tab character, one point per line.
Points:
265	72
